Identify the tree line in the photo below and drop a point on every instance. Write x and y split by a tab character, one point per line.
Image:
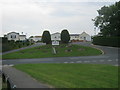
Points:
108	20
65	37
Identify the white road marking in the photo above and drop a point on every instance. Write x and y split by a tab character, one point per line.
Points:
86	61
65	62
101	60
110	60
79	61
116	59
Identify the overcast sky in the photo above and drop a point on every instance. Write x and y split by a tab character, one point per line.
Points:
34	16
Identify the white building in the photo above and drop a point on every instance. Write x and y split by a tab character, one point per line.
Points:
84	37
74	36
35	38
22	37
80	37
55	37
15	36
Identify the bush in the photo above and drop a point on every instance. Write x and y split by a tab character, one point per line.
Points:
46	37
8	45
65	37
106	41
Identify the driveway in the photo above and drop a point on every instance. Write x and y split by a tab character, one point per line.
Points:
110	56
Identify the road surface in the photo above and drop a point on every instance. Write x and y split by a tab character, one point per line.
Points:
110	56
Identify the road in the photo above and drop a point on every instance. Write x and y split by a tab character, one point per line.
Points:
110	56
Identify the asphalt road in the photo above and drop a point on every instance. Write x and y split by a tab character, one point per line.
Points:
110	56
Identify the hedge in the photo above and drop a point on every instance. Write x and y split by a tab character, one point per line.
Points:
11	45
106	41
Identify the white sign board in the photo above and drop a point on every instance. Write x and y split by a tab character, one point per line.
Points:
55	42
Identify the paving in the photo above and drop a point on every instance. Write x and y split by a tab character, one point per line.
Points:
21	79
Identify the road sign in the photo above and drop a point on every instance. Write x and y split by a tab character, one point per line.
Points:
55	42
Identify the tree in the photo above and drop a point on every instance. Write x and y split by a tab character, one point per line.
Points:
46	37
65	37
108	20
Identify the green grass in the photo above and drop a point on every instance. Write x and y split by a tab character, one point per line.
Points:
73	75
46	51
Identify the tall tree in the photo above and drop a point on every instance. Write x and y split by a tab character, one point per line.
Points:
46	37
65	37
108	20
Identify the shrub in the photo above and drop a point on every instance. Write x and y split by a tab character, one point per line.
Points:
46	37
65	37
106	41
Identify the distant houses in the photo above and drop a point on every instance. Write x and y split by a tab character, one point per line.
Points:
73	37
80	37
15	36
54	37
35	38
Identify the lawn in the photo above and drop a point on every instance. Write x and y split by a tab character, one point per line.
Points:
47	51
73	75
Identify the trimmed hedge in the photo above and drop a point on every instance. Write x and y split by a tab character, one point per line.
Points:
106	41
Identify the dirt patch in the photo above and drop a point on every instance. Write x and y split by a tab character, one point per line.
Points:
81	49
68	50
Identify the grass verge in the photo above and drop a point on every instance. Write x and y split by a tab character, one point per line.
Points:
46	51
73	75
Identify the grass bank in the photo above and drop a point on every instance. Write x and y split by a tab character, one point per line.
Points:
73	75
47	51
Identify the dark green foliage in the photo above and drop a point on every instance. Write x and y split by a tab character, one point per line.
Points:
107	41
46	37
108	20
10	45
65	37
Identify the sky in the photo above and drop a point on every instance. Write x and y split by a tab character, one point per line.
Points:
32	17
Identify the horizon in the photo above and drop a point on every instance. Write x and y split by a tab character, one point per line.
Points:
34	16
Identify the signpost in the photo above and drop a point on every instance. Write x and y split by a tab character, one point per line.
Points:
55	42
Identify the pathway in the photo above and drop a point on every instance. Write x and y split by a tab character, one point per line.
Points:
21	79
